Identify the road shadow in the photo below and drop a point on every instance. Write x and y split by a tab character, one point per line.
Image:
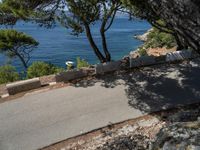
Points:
154	88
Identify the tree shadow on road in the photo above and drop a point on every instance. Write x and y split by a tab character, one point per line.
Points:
153	88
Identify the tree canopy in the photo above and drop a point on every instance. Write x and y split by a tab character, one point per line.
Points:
143	10
76	15
181	18
177	17
17	44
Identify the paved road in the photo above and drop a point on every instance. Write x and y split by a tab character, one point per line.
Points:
40	119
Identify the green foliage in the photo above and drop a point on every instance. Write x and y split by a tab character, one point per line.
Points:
38	69
142	51
143	9
140	8
6	15
160	39
79	17
8	74
10	40
17	44
157	39
81	63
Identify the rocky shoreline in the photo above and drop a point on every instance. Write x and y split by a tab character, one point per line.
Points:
143	37
159	51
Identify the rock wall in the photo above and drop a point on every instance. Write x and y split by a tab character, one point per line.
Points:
22	86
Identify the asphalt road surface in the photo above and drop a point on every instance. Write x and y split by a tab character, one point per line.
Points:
40	119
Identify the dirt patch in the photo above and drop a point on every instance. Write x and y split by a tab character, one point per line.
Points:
153	52
160	51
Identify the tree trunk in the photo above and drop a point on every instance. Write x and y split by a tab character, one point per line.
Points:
23	61
93	45
180	43
183	16
104	44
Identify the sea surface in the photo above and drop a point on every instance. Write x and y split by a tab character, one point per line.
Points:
58	45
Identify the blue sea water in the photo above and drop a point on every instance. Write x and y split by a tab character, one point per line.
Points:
57	45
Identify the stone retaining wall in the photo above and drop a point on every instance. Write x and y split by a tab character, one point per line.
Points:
21	86
17	87
70	75
46	80
142	61
180	55
108	67
169	58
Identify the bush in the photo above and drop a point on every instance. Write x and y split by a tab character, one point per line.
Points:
81	63
142	51
8	74
157	39
38	69
160	39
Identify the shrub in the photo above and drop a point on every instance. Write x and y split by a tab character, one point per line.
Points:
160	39
38	69
142	51
157	39
8	74
70	67
81	63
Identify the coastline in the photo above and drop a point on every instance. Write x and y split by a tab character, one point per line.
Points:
158	51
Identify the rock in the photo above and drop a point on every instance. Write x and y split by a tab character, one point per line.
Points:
148	123
144	36
178	136
184	116
136	142
193	147
134	54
